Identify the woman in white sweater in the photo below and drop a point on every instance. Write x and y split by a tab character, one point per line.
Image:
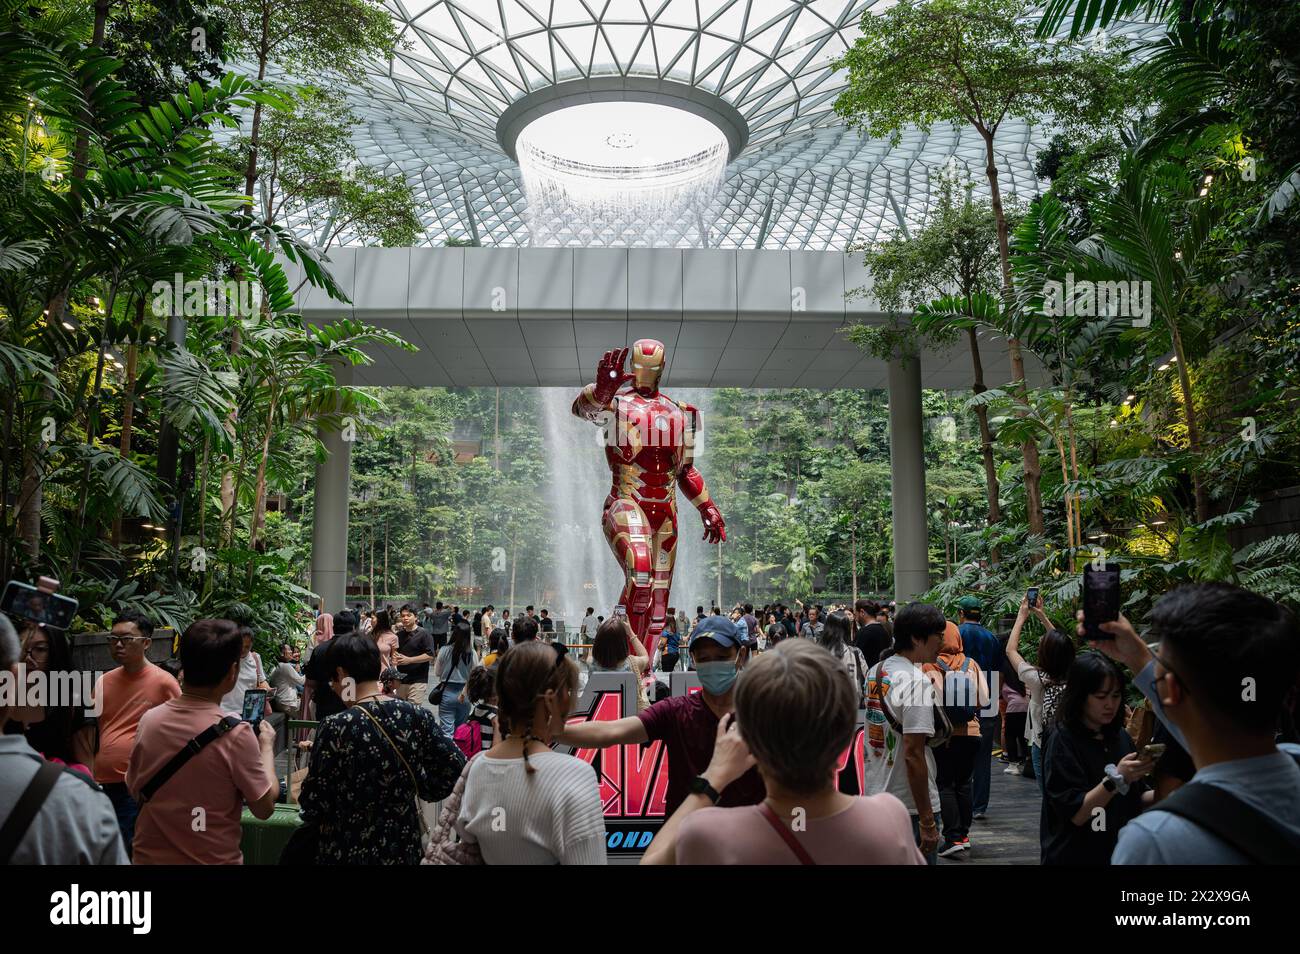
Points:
525	804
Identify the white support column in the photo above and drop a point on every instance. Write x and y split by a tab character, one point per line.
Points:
907	472
329	532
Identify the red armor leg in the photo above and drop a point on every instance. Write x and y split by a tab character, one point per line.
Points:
665	556
628	532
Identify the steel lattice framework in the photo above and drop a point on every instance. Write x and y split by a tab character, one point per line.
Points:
803	180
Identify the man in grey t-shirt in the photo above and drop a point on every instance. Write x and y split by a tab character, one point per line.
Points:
440	625
76	823
1215	640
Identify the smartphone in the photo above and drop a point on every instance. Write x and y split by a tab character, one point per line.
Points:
254	707
40	606
1100	600
1032	596
1153	750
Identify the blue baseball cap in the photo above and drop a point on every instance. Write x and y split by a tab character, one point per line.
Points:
719	629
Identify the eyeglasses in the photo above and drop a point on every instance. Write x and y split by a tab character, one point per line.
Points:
1167	668
113	638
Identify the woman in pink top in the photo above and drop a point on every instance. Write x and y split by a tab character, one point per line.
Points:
386	639
795	716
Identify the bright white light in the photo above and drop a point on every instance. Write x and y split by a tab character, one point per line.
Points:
618	172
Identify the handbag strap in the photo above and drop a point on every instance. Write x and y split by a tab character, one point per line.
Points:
424	825
192	748
786	834
27	808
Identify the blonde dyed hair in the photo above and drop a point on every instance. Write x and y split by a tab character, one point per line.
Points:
797	713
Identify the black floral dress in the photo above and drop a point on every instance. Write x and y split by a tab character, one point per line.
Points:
360	793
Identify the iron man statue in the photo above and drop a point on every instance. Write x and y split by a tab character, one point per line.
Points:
649	445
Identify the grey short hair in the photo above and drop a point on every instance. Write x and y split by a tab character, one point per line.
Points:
10	648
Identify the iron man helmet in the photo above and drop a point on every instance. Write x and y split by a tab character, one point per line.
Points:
647	364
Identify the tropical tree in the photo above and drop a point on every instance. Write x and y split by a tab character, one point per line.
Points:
976	62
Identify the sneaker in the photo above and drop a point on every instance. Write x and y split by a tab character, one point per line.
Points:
949	848
980	816
1013	769
965	844
997	750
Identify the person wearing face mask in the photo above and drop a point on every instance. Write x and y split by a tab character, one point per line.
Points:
687	725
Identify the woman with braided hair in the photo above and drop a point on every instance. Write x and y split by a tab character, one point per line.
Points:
525	804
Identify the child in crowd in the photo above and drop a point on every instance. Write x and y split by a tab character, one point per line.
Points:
477	733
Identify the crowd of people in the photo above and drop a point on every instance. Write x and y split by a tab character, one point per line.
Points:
440	736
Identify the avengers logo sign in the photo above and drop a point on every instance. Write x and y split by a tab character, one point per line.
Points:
633	779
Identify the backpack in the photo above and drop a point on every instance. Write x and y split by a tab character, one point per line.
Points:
469	738
1052	692
960	694
942	725
856	664
1236	822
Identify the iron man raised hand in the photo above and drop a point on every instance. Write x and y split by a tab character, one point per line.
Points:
649	446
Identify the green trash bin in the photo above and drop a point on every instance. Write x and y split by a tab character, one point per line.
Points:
263	841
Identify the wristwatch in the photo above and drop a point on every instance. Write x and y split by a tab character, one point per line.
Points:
1108	784
700	786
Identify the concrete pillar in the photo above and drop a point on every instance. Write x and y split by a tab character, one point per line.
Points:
907	473
329	531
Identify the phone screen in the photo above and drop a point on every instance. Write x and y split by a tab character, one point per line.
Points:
1032	596
48	609
254	706
1100	600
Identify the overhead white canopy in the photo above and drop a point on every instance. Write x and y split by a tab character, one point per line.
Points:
543	317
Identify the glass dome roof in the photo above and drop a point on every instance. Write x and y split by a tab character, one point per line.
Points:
802	181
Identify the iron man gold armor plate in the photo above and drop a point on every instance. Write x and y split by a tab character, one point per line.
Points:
649	445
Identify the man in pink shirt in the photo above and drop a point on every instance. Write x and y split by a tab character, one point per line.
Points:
123	695
795	716
194	816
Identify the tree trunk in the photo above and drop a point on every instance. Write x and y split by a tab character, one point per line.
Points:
986	434
1193	427
263	56
514	557
92	422
1032	467
853	548
1069	507
203	493
1074	465
128	416
31	498
259	495
719	603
